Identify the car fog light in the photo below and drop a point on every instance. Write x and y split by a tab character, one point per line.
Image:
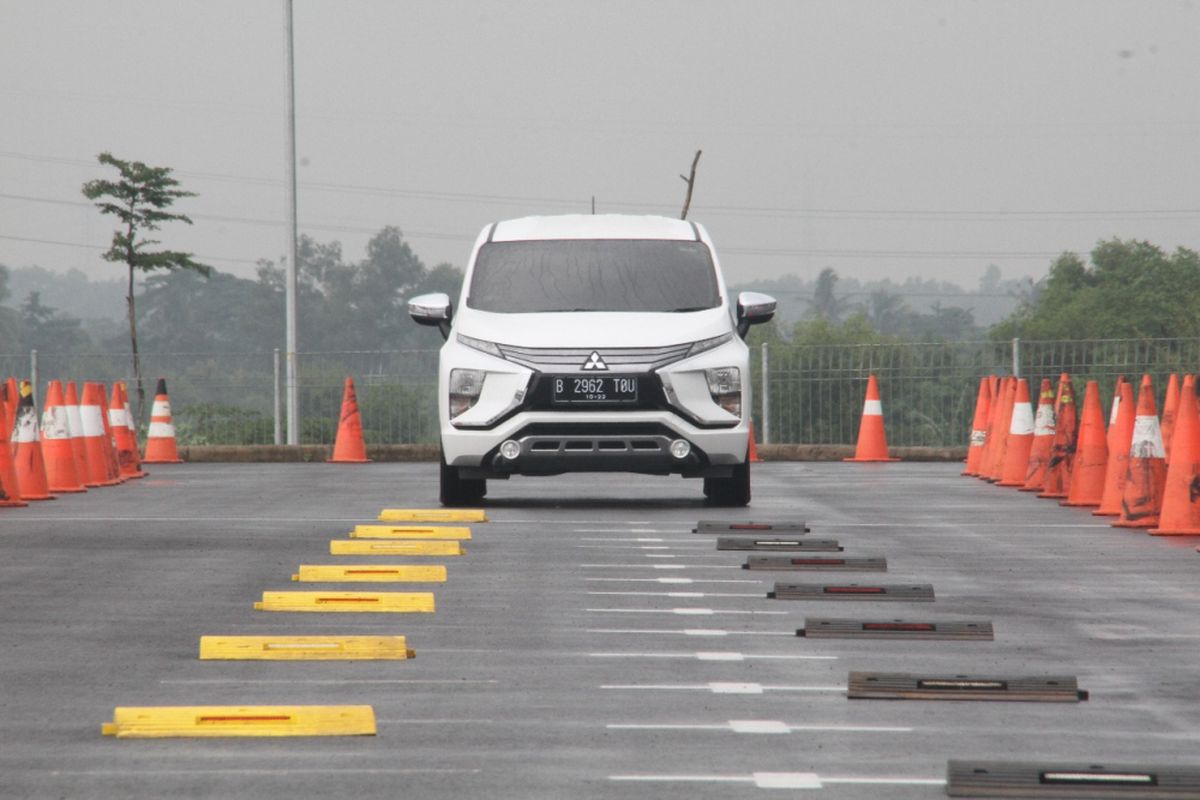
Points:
680	448
510	449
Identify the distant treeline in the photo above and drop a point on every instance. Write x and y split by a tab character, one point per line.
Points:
1129	289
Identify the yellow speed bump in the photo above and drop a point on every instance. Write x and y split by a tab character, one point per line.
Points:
160	722
379	573
304	648
371	547
396	602
408	532
432	515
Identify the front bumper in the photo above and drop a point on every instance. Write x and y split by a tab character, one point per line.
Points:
601	442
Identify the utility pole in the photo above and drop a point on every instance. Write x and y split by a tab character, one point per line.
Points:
293	390
690	180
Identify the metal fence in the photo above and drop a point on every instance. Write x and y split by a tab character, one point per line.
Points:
808	394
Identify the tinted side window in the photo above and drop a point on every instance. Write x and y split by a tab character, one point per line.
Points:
593	275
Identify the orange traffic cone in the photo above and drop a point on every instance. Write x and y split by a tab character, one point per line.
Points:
121	422
348	447
160	437
983	405
1043	440
752	449
872	441
1062	451
59	455
27	456
1181	496
992	431
75	426
1020	439
94	441
7	415
110	451
1170	406
1146	474
1008	395
1120	435
1091	455
10	491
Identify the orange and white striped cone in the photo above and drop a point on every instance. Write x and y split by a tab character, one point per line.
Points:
1120	435
975	447
348	447
1043	440
1170	406
121	422
160	437
110	452
61	472
998	386
1180	514
8	408
75	426
872	440
1062	453
1146	474
95	442
1020	439
995	467
1091	455
27	455
10	490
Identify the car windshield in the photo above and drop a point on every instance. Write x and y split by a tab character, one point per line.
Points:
593	275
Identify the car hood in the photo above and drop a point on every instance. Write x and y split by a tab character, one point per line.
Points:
593	328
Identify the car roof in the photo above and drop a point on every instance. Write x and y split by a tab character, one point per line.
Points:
594	226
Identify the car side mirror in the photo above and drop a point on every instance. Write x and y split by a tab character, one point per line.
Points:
753	308
432	309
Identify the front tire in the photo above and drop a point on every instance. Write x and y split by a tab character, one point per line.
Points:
731	492
458	491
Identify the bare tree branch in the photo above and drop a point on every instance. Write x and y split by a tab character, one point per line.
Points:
691	183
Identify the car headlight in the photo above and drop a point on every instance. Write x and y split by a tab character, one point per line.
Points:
704	345
465	387
725	386
491	348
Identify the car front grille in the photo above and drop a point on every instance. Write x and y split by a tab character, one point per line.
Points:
572	359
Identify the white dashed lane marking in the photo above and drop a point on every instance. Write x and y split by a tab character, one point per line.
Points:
781	780
720	688
704	632
721	655
757	726
679	581
694	612
759	595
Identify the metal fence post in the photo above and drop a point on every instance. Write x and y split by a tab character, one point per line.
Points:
1016	356
33	374
278	402
766	398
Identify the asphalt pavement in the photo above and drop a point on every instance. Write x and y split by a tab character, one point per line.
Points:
587	644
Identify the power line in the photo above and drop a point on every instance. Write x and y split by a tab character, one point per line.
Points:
99	247
928	214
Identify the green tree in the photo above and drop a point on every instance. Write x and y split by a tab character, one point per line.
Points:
9	342
1132	290
49	330
825	304
139	199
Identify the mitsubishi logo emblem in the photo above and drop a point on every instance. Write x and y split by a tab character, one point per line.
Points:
594	363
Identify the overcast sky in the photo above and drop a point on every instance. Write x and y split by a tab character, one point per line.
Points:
882	138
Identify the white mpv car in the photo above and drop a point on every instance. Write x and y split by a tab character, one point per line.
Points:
593	344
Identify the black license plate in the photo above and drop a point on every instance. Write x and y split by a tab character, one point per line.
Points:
595	389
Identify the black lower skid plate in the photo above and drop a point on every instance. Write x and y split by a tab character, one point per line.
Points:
1081	780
